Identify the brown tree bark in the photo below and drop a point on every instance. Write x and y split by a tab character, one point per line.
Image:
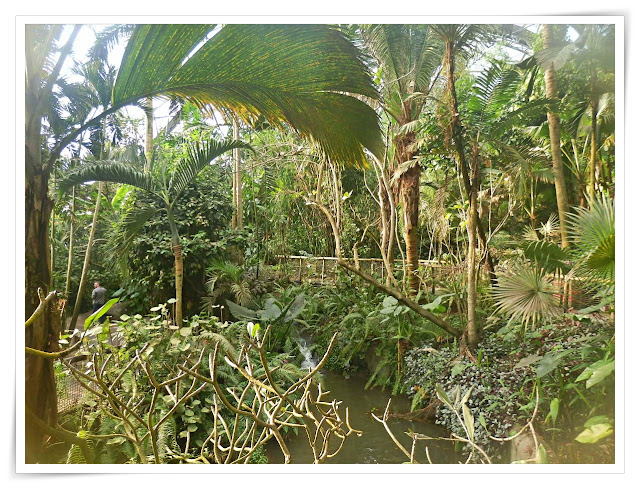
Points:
457	135
40	392
410	200
554	137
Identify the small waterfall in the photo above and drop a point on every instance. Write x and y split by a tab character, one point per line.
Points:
309	361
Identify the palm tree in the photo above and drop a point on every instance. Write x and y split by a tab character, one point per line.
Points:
408	57
163	184
551	86
300	77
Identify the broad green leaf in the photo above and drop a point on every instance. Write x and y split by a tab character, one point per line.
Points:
528	360
595	433
468	421
99	313
442	395
597	420
554	406
458	368
541	456
240	312
482	421
295	308
389	301
550	361
186	331
597	372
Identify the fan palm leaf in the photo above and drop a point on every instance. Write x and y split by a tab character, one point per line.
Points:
526	294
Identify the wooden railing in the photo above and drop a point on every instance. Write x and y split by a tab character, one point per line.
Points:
322	269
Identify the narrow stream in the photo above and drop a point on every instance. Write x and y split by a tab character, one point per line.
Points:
374	446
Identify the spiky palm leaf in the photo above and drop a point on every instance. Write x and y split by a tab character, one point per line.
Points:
593	234
199	156
526	294
112	171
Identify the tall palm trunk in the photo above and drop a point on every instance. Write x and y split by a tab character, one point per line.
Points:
177	255
472	226
176	248
594	136
67	285
87	260
237	175
40	391
410	200
554	137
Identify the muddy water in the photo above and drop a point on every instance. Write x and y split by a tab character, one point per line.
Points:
374	446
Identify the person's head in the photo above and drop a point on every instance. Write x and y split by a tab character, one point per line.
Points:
96	285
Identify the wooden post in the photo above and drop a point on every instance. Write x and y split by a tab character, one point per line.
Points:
300	272
322	272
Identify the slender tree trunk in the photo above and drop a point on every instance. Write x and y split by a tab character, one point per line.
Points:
237	164
594	137
472	286
458	141
554	137
67	285
87	260
176	248
52	249
148	141
177	255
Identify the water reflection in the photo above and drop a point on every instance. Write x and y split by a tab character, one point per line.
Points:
374	446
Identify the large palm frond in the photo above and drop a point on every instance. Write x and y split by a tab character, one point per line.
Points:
126	230
594	236
408	55
301	76
199	156
116	172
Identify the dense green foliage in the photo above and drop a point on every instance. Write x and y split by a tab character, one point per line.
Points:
465	155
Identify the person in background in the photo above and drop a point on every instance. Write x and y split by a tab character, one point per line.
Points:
98	297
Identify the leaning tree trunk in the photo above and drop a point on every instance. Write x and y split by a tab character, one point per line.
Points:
554	137
87	260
